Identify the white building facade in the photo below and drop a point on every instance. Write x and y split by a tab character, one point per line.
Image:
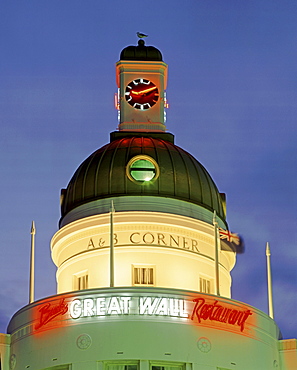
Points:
143	277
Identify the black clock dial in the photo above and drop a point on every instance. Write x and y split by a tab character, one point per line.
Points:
141	94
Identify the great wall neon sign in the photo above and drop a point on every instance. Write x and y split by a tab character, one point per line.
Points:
128	306
198	310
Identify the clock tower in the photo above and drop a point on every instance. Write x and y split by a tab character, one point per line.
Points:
141	77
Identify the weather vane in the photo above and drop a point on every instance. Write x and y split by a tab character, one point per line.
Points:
141	35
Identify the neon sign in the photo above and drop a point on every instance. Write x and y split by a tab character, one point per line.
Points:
196	309
49	311
126	306
217	312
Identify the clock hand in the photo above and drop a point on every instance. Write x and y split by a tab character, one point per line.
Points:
147	90
143	91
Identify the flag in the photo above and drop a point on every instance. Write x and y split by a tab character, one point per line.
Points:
231	240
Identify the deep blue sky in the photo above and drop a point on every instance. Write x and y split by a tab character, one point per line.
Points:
233	105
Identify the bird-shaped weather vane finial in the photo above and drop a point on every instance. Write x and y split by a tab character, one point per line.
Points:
141	35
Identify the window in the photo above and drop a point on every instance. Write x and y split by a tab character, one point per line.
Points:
142	168
122	366
143	275
81	281
167	366
204	285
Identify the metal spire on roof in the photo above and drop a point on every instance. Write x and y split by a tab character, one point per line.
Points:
269	282
32	263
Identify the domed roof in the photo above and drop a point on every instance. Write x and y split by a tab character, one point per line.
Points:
141	52
117	169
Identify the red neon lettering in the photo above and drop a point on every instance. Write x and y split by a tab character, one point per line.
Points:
49	312
217	312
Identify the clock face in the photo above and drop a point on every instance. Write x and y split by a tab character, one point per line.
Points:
141	94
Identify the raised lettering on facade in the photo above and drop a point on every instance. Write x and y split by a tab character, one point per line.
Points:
149	238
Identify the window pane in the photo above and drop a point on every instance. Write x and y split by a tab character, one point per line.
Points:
131	367
204	285
136	276
82	282
142	170
150	276
168	367
121	366
143	276
143	164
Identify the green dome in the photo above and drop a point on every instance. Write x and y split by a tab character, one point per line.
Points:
141	52
140	164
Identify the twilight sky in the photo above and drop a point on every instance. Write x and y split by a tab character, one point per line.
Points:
233	105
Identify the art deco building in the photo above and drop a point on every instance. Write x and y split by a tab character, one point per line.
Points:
143	256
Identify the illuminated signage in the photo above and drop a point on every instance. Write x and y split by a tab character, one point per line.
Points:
126	306
49	311
219	312
199	310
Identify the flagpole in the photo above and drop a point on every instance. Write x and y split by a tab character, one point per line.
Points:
269	282
111	260
217	273
32	264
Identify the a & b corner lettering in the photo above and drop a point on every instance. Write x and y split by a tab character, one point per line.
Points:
148	238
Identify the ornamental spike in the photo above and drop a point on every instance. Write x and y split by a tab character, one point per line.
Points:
32	265
33	229
269	282
268	253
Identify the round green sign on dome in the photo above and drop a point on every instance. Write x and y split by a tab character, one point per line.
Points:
142	168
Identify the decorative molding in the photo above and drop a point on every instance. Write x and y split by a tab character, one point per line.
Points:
204	345
84	341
